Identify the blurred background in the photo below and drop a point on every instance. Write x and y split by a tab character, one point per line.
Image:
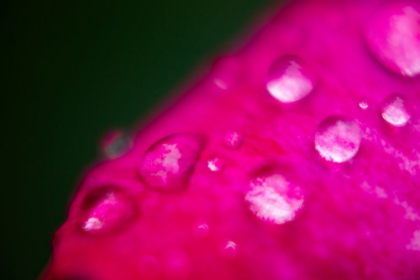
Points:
74	69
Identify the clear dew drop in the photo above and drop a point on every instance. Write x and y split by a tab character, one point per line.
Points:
115	143
395	112
288	80
106	209
393	37
274	199
338	139
169	163
215	164
233	139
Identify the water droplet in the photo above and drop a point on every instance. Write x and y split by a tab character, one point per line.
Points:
149	268
395	112
202	231
177	264
288	80
106	209
363	105
393	37
169	163
115	143
337	139
215	164
226	73
274	199
230	249
233	139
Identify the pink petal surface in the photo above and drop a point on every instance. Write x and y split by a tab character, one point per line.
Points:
322	186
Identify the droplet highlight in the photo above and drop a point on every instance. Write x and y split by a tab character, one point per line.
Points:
288	80
395	112
169	163
274	199
115	143
393	37
106	209
215	164
363	105
226	73
230	249
233	139
338	139
201	231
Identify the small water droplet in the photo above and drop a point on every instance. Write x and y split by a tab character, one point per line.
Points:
338	139
230	249
177	264
288	80
395	112
115	143
202	231
106	209
226	73
363	105
169	163
274	199
215	164
149	268
233	139
393	37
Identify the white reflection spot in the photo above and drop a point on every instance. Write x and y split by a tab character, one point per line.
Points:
338	140
273	199
395	113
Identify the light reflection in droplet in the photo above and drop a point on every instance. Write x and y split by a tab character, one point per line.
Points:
363	105
393	36
233	139
288	81
169	163
106	209
215	164
272	198
395	112
230	249
202	231
338	139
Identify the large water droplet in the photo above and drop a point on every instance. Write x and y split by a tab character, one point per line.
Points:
288	80
233	139
115	143
169	163
393	36
395	112
274	199
337	139
106	209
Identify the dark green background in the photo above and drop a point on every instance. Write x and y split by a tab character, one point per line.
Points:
72	69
